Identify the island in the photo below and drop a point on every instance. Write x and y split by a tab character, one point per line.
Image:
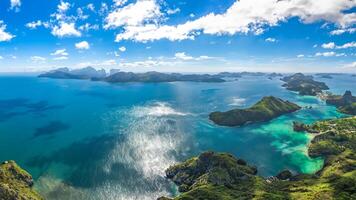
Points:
345	103
117	76
84	73
16	183
305	85
124	77
266	109
221	176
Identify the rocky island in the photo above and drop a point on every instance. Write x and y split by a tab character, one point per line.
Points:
305	85
221	176
16	183
345	103
84	73
266	109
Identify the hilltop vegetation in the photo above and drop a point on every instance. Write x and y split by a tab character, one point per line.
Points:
266	109
221	176
305	85
15	183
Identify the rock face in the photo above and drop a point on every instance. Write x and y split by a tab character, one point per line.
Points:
220	176
15	183
264	110
305	85
345	103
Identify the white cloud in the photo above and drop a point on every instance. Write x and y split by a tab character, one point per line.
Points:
61	58
347	45
342	31
122	49
91	7
142	23
1	57
119	2
87	27
34	24
65	30
133	14
271	40
38	59
4	36
15	4
60	52
63	6
82	45
330	45
183	56
300	56
173	11
326	54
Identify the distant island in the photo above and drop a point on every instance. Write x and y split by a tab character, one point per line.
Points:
221	176
305	85
266	109
117	76
16	183
345	103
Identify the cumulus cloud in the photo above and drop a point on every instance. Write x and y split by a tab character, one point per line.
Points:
141	20
329	54
332	45
60	52
15	4
342	31
82	45
63	6
34	24
4	36
65	30
133	14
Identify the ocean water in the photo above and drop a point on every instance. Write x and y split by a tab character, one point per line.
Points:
94	140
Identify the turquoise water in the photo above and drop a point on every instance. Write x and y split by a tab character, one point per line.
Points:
93	140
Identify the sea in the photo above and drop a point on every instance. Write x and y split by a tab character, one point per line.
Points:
83	139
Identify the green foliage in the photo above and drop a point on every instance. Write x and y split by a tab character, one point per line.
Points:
266	109
220	176
16	183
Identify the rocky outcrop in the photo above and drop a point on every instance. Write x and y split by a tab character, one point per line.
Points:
15	183
345	103
266	109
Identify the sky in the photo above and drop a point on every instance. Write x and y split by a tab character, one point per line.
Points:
179	35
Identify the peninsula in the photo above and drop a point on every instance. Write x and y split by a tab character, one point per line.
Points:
345	103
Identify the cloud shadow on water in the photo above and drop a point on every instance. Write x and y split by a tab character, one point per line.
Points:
51	129
10	108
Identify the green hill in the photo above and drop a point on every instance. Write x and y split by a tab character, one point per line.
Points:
266	109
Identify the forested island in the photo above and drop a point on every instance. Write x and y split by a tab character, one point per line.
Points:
264	110
304	85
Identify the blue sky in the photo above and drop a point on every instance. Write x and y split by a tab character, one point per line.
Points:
179	35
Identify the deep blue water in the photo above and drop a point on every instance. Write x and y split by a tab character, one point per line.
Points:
93	140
